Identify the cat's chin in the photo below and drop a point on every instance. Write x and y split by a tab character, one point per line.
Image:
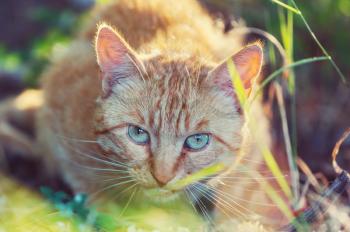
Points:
161	195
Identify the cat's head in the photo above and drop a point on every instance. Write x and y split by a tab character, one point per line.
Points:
168	116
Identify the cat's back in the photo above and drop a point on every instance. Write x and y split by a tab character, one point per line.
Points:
148	26
161	24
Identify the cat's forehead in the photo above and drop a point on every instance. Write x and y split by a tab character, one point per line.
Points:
173	99
177	101
175	84
184	68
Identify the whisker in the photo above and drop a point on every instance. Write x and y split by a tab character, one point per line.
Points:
252	213
212	200
93	168
97	159
187	191
97	173
105	169
246	170
93	195
253	161
190	200
125	190
112	195
202	208
222	182
75	139
67	142
128	202
248	178
233	198
226	204
117	178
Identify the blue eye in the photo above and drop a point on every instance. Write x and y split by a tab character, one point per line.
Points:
196	142
138	135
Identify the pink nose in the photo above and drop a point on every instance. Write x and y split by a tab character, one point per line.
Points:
162	176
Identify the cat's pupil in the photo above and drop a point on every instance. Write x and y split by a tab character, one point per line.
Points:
198	139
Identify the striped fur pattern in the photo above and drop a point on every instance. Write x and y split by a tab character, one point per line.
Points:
168	101
160	70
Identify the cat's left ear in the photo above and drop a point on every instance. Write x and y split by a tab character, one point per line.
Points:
117	61
248	63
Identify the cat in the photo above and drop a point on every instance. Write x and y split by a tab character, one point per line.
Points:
146	99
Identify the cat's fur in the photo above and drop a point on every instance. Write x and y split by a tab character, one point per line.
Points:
166	78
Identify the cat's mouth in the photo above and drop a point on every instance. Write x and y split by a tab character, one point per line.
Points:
161	194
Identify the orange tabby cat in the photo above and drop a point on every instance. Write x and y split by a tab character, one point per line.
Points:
152	102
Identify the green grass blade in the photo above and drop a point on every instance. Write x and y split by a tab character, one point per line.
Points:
294	10
237	83
280	202
276	198
267	155
208	171
278	72
276	171
342	76
290	51
291	158
286	20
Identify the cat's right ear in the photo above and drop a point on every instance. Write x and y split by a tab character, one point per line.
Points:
115	58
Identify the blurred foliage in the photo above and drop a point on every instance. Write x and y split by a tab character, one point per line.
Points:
328	18
30	61
24	210
9	61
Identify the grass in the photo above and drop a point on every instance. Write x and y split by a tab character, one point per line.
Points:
335	151
267	155
340	73
288	7
286	29
197	176
295	9
24	210
287	38
57	218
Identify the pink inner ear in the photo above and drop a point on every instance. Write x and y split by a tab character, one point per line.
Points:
248	62
111	50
